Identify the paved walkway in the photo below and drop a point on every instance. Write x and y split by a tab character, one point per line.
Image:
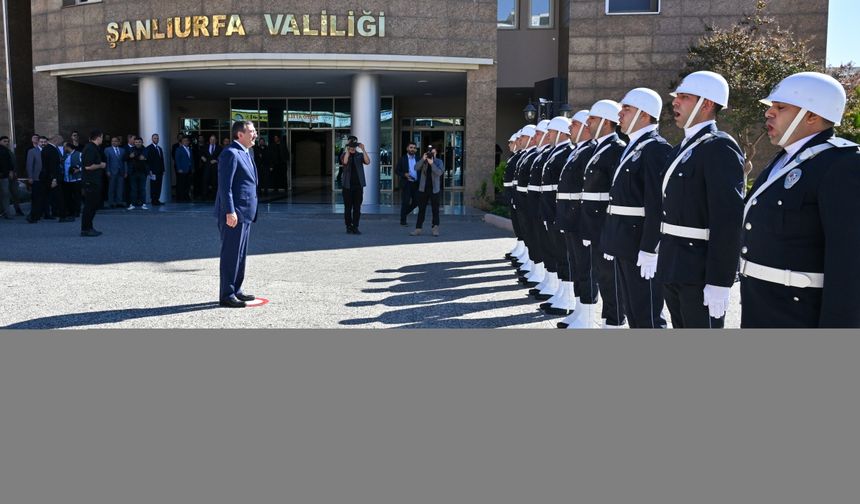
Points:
159	269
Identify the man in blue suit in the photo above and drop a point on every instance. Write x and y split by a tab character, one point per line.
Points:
184	161
116	171
236	209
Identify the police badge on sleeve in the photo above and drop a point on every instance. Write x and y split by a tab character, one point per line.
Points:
636	156
686	156
792	178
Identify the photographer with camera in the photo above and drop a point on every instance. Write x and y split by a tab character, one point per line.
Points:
352	181
430	170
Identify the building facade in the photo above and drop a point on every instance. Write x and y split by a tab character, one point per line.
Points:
455	74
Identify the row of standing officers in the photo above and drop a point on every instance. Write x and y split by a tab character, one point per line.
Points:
646	224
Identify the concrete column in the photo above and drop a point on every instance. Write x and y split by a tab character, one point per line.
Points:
365	125
154	111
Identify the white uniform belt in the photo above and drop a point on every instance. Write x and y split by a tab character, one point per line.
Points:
568	196
549	188
522	189
685	232
534	188
508	184
626	210
788	278
595	196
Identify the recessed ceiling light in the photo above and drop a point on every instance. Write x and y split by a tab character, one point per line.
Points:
229	83
423	81
189	97
320	82
134	84
428	94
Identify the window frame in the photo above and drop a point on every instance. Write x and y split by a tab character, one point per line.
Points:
649	13
516	24
552	14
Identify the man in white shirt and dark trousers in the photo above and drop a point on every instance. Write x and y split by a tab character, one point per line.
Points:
408	182
703	191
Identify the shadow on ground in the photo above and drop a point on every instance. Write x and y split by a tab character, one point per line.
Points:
107	317
432	295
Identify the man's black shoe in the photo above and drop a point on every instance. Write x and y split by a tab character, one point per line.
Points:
245	297
562	325
355	231
534	292
349	230
508	256
67	219
91	233
18	212
232	302
49	217
403	223
542	297
32	221
557	311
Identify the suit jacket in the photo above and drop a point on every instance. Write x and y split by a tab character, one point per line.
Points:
155	158
433	173
705	191
34	164
808	220
638	184
52	164
116	165
402	168
205	157
237	184
183	159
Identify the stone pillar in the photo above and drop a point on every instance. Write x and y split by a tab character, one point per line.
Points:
46	109
480	140
365	126
154	112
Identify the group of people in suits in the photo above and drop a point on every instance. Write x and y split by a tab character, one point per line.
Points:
129	166
646	225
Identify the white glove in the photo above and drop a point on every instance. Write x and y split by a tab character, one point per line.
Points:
586	243
717	300
647	263
608	257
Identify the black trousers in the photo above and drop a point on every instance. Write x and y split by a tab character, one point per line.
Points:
183	186
514	219
408	199
37	200
558	250
155	189
352	199
686	305
92	200
72	198
597	275
423	198
643	299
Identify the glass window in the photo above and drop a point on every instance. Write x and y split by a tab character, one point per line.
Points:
632	6
540	14
342	113
323	112
244	110
507	14
273	111
299	115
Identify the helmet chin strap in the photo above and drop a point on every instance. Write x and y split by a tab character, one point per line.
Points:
633	122
793	126
599	128
695	112
579	133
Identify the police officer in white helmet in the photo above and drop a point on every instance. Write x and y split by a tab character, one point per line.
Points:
527	145
552	240
703	190
530	177
596	270
631	233
569	192
509	189
801	233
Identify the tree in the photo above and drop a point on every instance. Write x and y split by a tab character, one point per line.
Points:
849	76
753	55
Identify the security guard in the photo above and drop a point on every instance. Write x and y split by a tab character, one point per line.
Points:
801	234
598	271
553	243
509	189
703	190
567	206
532	163
632	230
527	146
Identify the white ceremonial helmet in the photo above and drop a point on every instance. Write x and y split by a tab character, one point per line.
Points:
707	86
582	117
644	100
560	123
528	130
514	137
813	92
606	110
541	126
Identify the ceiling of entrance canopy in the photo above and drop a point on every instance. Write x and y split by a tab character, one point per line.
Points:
209	84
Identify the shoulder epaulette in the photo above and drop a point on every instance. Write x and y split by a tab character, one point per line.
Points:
841	143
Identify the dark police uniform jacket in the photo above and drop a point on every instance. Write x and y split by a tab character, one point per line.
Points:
705	191
535	178
549	180
570	182
510	177
808	220
637	184
524	171
597	179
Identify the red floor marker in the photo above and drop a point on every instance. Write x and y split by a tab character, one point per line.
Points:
257	303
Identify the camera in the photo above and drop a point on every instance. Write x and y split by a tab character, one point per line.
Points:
429	152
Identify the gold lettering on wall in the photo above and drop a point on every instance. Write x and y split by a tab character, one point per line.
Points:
222	25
